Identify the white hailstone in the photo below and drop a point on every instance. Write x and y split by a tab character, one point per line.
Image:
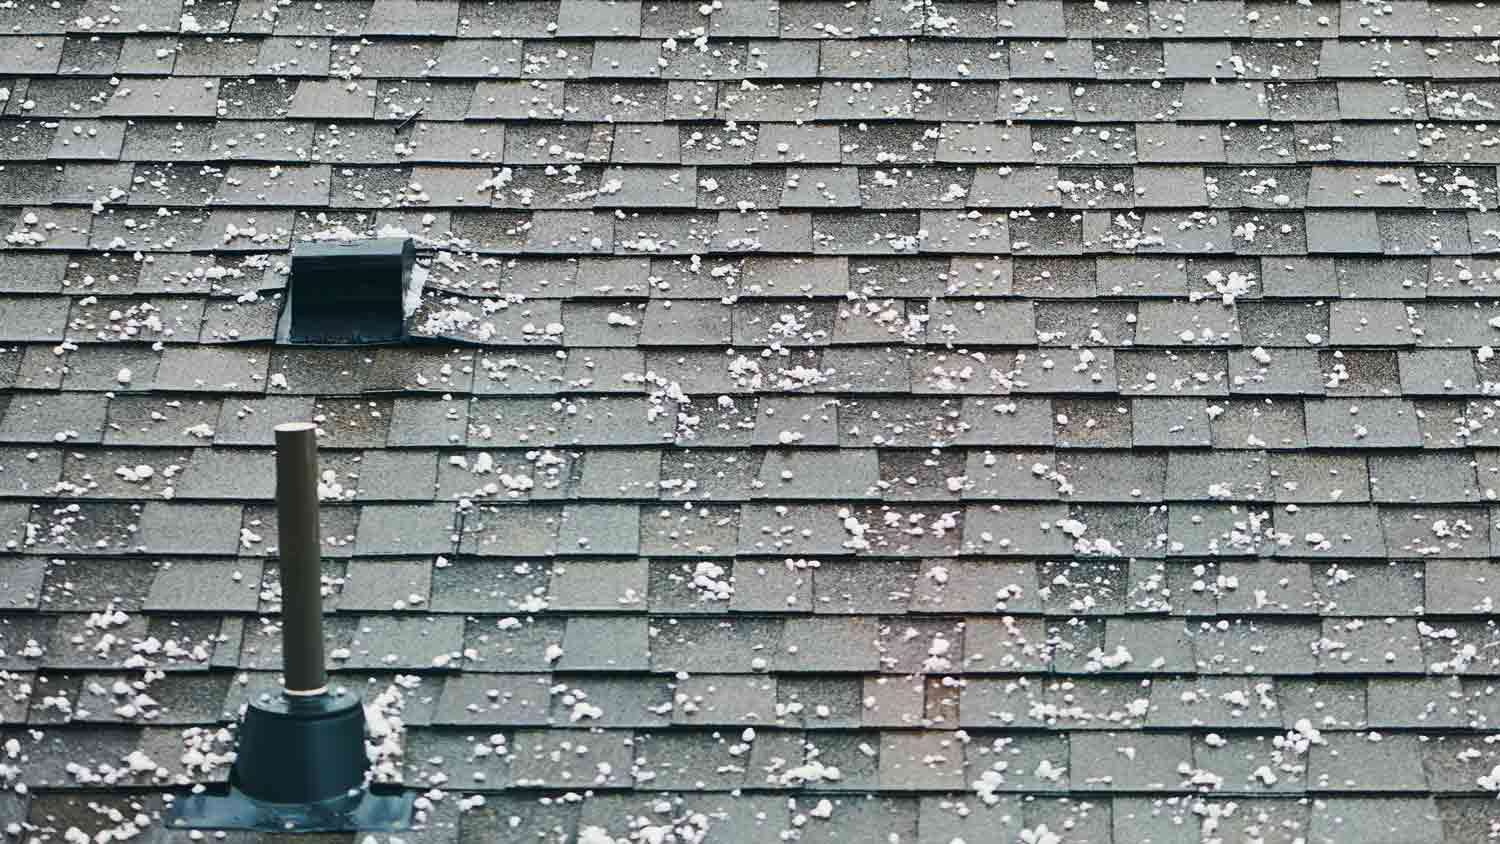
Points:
584	709
1040	835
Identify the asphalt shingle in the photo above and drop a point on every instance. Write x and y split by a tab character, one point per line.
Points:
794	385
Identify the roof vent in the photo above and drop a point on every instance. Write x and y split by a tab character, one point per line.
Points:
300	763
349	291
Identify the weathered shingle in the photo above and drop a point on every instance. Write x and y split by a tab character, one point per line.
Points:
847	372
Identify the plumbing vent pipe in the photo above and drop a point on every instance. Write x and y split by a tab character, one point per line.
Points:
300	762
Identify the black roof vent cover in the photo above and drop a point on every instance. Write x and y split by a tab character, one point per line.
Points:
349	291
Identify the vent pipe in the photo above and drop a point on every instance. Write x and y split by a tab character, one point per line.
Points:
299	550
300	763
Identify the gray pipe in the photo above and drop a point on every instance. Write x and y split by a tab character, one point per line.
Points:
300	554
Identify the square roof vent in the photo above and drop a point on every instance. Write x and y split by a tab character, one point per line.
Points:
349	291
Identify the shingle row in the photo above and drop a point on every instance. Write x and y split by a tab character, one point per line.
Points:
1245	232
773	100
1412	340
1138	604
1242	424
876	283
1164	60
748	189
892	670
933	819
789	762
410	468
1154	387
790	19
750	143
896	529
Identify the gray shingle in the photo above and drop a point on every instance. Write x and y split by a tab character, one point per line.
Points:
205	586
190	528
497	645
1170	422
1357	762
1127	762
405	529
1423	703
413	642
1215	702
605	644
697	645
1194	475
1422	477
1435	531
1351	646
1374	423
725	699
958	356
22	579
1361	373
1254	646
1458	586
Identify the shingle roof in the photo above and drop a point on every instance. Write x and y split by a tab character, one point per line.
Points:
1039	420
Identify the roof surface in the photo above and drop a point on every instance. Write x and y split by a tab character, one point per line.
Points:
899	421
